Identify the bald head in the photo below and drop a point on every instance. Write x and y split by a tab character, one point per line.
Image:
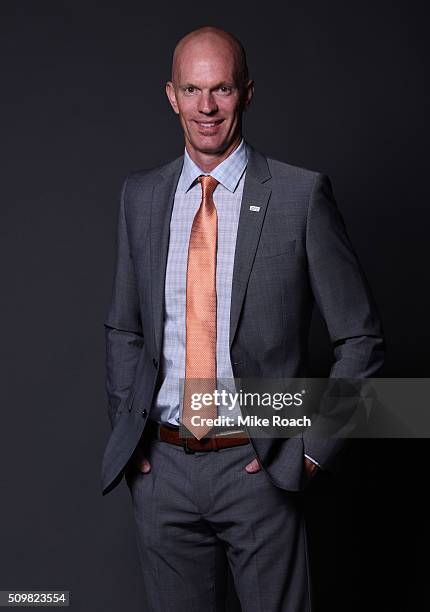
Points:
213	40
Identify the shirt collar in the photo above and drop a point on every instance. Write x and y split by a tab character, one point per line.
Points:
228	172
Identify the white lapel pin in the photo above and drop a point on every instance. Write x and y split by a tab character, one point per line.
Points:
255	208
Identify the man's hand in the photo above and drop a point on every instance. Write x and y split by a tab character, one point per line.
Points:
254	466
311	468
140	461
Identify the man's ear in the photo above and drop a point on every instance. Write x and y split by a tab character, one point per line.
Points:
248	93
170	91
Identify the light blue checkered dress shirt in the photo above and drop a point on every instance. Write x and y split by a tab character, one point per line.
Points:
227	198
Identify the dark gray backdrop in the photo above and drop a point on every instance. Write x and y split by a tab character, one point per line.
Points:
340	88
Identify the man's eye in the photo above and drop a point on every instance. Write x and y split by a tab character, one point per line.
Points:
225	89
190	89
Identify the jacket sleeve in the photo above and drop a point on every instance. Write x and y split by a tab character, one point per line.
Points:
344	298
123	326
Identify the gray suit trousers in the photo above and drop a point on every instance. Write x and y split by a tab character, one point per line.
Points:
191	505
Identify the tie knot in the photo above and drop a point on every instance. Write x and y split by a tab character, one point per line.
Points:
208	184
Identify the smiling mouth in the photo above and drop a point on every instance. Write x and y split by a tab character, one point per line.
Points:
207	125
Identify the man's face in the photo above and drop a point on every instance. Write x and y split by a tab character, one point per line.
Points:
207	97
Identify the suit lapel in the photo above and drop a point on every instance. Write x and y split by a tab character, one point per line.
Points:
255	193
161	211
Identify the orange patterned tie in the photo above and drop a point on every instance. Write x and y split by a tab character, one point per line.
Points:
200	351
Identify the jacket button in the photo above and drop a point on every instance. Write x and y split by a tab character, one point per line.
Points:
155	362
144	412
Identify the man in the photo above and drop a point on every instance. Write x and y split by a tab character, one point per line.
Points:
221	255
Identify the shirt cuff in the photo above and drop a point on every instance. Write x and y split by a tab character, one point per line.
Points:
313	460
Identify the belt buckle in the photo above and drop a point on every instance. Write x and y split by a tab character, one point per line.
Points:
189	451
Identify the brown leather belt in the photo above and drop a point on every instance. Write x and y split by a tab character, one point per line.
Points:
220	439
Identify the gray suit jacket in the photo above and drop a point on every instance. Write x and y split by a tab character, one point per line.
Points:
293	252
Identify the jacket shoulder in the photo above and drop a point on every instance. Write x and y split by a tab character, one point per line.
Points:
143	180
284	170
293	183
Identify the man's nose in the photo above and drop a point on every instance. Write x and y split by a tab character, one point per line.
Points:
207	103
